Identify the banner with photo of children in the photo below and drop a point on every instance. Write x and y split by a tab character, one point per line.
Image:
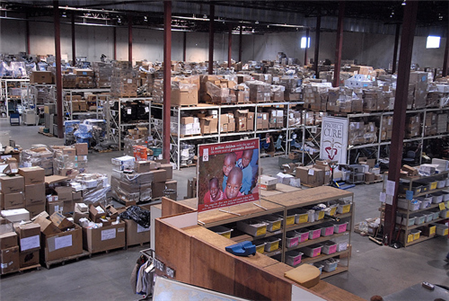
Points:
227	174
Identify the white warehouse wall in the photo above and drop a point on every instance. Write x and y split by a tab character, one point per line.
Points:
92	41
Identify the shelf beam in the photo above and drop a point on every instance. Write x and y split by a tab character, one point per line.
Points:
400	109
167	80
339	44
59	103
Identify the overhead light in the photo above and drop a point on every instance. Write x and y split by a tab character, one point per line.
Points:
145	18
257	22
404	3
204	16
64	15
268	26
253	31
440	17
119	20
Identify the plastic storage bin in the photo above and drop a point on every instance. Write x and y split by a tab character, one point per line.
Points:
343	208
319	265
292	239
441	229
331	210
318	215
437	198
428	216
340	227
303	235
253	227
314	233
444	213
402	220
330	265
260	246
416	234
419	219
404	204
312	251
329	247
327	230
273	223
342	246
435	213
425	203
272	244
441	184
223	231
301	217
293	258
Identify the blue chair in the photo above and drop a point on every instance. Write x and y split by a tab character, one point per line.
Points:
14	119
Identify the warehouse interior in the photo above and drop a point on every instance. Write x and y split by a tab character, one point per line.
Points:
359	51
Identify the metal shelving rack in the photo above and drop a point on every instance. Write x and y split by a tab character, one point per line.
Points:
4	90
115	126
68	108
177	112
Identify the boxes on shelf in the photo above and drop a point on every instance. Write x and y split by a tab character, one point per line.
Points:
273	222
260	246
252	227
327	229
303	235
267	182
441	229
402	220
416	234
312	251
342	246
330	264
314	232
292	239
340	227
329	247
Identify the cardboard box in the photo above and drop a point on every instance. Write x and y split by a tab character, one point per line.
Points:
168	171
83	72
159	175
29	237
8	240
12	200
35	208
184	97
64	244
28	258
35	194
105	238
12	184
46	226
32	175
158	189
142	166
136	234
16	215
55	206
41	77
64	193
95	213
171	189
60	221
9	260
81	149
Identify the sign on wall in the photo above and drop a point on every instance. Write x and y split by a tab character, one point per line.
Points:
334	139
227	174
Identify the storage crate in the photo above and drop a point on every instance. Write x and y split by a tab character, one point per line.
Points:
436	214
253	227
441	184
342	246
428	216
441	229
410	237
447	182
293	258
301	217
340	227
343	208
404	204
260	246
314	233
444	213
273	223
290	219
437	198
419	219
303	235
329	247
331	210
402	220
445	195
330	265
433	185
425	203
272	244
223	231
292	239
318	215
312	251
311	215
327	230
416	234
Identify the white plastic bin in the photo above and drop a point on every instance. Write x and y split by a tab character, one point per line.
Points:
293	258
329	247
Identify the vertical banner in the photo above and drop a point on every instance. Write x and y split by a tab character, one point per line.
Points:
334	139
227	174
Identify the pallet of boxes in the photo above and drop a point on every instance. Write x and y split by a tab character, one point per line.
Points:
314	175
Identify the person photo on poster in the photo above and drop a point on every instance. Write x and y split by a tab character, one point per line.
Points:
228	164
234	183
214	194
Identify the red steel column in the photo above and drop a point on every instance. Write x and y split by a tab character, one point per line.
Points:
317	45
396	46
114	33
211	39
130	38
240	43
167	79
184	47
307	44
27	29
73	40
59	110
229	45
446	53
339	44
400	107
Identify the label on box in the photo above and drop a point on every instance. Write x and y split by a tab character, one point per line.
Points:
261	231
63	242
29	243
441	206
128	111
119	230
108	234
147	110
4	265
130	80
142	229
311	172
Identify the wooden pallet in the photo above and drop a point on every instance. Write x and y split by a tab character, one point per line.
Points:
374	182
63	260
31	267
46	134
104	151
106	251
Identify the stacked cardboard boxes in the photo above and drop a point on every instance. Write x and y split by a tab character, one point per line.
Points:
103	74
30	244
38	156
259	91
9	249
124	80
227	123
70	161
310	176
188	126
262	121
419	79
209	125
386	128
34	192
413	126
430	124
41	77
11	192
84	78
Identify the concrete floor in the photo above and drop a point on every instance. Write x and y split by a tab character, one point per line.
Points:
373	269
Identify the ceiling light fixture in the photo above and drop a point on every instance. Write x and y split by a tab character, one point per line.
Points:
204	16
119	20
257	22
145	18
404	3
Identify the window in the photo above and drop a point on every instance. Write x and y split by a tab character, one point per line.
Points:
433	42
303	42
